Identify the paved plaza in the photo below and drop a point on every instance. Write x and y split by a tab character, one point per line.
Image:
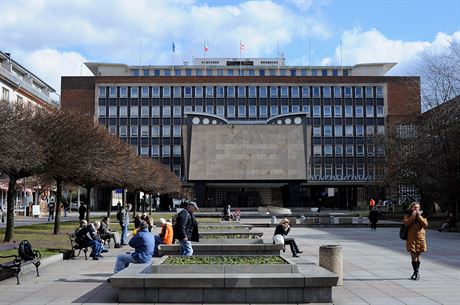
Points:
376	271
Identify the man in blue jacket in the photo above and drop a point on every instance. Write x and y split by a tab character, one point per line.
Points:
143	243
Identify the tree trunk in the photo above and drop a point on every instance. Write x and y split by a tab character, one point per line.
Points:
10	196
88	206
57	207
135	203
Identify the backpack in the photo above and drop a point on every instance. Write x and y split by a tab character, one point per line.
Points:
25	250
119	216
403	232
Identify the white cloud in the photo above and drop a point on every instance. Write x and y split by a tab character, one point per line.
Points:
372	46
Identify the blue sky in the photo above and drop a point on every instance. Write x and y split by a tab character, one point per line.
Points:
53	38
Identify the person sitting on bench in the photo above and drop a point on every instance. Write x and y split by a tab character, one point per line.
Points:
107	234
86	236
226	213
283	229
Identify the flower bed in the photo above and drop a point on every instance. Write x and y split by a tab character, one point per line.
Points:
223	260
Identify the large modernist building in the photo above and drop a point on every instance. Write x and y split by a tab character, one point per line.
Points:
252	131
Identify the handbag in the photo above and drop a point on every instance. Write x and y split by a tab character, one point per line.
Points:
278	239
403	232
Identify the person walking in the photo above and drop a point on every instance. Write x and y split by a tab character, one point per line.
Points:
81	211
283	229
373	218
123	219
51	205
186	229
143	244
416	223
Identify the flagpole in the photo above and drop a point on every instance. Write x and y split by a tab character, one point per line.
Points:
204	50
240	58
172	57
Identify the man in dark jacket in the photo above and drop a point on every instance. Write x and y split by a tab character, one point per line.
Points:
86	235
123	219
186	229
143	244
373	218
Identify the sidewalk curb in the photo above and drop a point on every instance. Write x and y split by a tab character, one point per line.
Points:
43	262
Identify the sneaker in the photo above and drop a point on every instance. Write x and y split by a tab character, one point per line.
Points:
299	251
295	255
104	251
117	246
95	258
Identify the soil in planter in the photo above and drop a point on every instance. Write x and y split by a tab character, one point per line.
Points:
224	260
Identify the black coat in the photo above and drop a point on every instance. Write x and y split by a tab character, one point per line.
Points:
280	230
374	216
186	226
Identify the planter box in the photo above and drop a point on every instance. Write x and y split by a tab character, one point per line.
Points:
225	249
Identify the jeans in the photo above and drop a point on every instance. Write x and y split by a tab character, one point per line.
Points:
185	248
123	261
124	234
158	241
96	246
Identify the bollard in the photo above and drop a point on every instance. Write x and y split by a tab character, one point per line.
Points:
273	220
331	259
331	220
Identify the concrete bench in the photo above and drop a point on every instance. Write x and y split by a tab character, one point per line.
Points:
224	249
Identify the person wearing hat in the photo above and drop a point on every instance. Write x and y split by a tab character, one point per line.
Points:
166	235
186	229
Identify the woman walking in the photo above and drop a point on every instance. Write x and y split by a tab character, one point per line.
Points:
416	224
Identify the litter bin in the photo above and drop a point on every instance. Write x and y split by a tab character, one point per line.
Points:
273	220
331	220
331	259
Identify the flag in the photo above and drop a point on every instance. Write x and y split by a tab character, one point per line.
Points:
173	47
205	47
242	47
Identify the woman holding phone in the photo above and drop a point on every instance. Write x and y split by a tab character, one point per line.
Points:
416	223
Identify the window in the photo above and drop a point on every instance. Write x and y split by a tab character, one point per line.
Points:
145	111
156	72
199	72
188	72
369	111
328	170
134	111
323	72
317	131
317	170
176	150
252	111
177	72
122	131
135	72
316	111
145	92
210	109
316	92
327	92
263	111
314	72
338	111
360	150
220	92
166	91
155	91
188	109
347	92
338	150
220	72
113	130
380	129
349	150
231	111
155	131
177	91
284	109
317	150
338	171
133	131
177	131
123	111
242	111
303	72
371	171
327	111
230	72
370	150
380	112
263	92
252	91
155	150
306	92
337	92
284	91
328	150
295	108
359	92
177	111
188	92
198	108
349	169
261	72
123	92
112	91
166	111
220	110
166	131
295	92
241	91
349	131
369	92
208	72
102	91
327	130
370	130
198	91
134	92
379	92
293	72
273	110
101	111
360	171
273	92
359	111
306	109
144	151
209	91
144	131
335	72
231	91
348	111
155	111
166	150
338	131
359	130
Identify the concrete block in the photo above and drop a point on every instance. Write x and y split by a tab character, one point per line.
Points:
188	269
285	268
266	295
180	295
186	280
131	295
151	295
250	280
295	295
222	296
317	294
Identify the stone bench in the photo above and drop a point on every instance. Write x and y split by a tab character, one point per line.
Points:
224	249
293	283
243	233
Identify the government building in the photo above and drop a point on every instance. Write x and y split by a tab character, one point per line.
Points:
253	132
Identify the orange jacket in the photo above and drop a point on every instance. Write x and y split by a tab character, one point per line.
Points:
167	233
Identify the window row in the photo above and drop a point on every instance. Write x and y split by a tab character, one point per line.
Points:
165	151
146	131
347	130
242	91
340	171
242	111
347	150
